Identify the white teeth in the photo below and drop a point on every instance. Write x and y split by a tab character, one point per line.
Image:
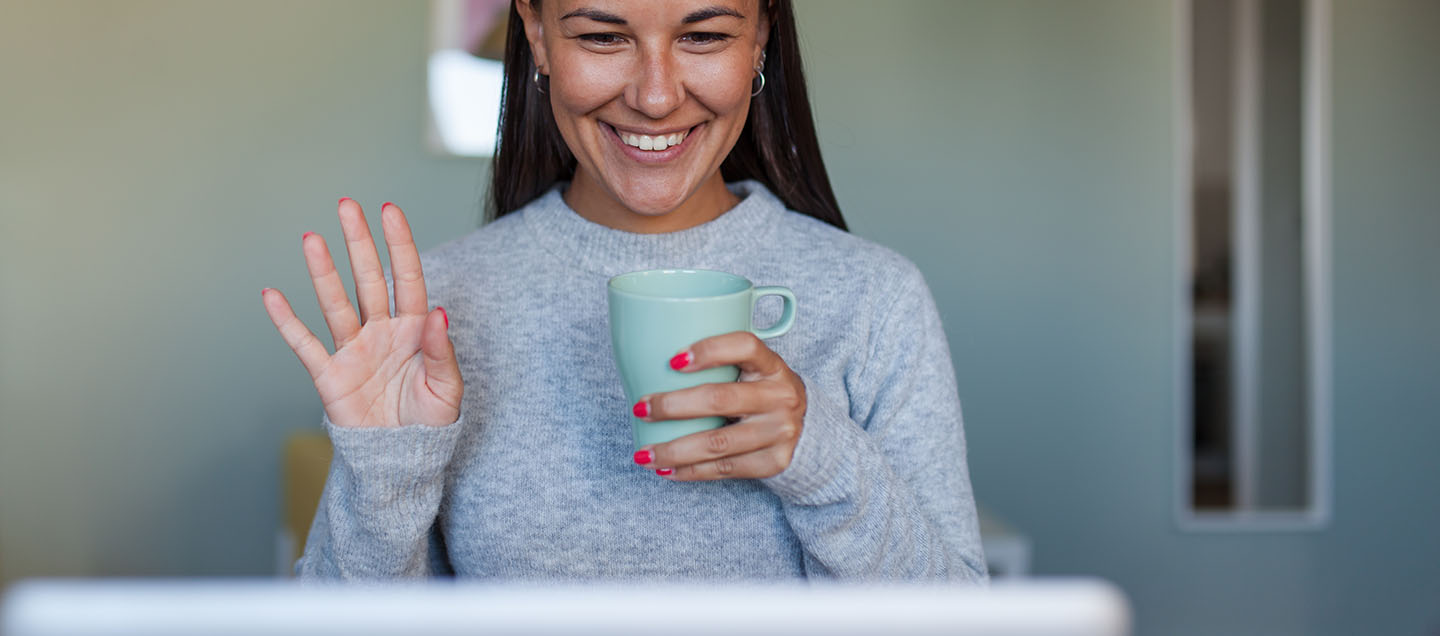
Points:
658	142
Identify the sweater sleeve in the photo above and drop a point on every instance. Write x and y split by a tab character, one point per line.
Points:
377	514
878	486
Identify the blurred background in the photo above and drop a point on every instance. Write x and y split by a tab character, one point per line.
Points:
160	159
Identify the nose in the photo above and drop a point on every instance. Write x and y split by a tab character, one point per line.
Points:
657	88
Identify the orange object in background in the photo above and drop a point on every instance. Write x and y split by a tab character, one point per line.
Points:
305	464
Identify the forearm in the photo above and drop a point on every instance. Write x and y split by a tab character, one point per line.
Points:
857	517
380	504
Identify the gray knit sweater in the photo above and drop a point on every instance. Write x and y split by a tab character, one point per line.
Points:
535	480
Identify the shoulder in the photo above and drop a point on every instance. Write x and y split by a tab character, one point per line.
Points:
847	258
478	250
482	240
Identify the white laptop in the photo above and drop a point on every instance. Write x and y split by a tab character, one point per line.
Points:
171	607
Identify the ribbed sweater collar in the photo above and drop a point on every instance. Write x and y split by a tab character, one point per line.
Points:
605	250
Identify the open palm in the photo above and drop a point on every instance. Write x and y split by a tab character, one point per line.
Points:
387	370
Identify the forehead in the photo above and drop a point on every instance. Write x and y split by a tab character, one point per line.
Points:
635	12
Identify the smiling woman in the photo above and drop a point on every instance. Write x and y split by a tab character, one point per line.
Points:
725	73
491	438
654	73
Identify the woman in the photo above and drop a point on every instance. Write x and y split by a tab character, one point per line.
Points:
492	439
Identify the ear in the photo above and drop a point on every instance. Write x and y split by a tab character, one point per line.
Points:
534	33
763	24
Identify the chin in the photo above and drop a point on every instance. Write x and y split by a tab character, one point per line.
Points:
653	199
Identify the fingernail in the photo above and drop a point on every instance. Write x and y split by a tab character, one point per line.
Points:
343	200
305	236
262	292
643	457
445	316
642	409
664	471
680	361
385	205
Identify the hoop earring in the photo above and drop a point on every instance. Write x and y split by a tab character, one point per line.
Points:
536	78
760	72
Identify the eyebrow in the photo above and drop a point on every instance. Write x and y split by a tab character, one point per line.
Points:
700	15
711	12
596	15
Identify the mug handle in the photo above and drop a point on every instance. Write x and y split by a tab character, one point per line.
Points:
787	316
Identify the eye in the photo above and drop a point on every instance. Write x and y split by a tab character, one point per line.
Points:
706	37
602	39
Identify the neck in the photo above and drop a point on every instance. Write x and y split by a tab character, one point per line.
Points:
591	200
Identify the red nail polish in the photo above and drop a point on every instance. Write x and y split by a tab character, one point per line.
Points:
643	457
305	236
642	409
664	471
445	316
680	361
344	199
385	205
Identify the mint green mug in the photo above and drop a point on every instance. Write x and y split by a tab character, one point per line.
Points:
658	313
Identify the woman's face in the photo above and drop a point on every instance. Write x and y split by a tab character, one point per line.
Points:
650	95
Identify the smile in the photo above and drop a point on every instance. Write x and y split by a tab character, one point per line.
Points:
657	142
650	148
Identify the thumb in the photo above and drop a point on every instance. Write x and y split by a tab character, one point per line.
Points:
442	371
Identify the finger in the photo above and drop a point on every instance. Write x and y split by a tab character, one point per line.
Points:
740	348
370	289
750	435
306	346
730	399
404	262
329	290
759	464
442	371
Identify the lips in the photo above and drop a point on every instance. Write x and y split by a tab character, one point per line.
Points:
656	142
662	147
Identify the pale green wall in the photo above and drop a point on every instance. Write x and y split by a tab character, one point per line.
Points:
1022	153
159	160
158	164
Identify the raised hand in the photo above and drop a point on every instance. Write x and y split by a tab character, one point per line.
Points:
387	370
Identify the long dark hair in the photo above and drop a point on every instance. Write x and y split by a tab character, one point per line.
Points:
778	146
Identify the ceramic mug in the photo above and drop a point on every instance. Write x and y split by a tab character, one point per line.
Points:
655	314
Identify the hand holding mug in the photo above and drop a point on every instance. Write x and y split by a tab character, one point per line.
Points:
769	399
725	370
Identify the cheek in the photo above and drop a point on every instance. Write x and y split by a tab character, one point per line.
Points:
723	86
580	86
581	83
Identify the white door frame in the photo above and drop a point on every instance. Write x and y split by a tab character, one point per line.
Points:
1317	280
